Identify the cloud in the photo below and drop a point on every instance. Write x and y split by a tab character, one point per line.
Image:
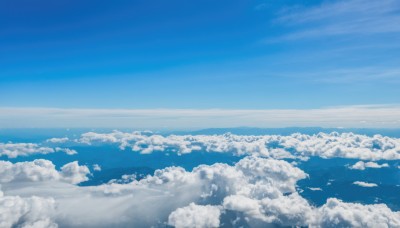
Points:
345	145
354	17
365	184
195	216
66	150
315	189
26	212
350	116
58	140
363	165
292	210
152	199
13	150
41	170
255	191
96	167
336	213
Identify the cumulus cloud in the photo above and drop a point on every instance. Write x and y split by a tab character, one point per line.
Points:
336	213
345	145
58	140
66	150
255	191
13	150
195	216
26	212
42	170
365	184
292	210
363	165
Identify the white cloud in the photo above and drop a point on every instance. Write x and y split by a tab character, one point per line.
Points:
350	116
58	140
365	184
315	189
292	210
256	191
26	212
363	165
195	216
354	17
74	173
336	213
66	150
96	167
345	145
13	150
41	170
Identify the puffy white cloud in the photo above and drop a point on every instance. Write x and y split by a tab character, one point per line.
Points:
292	210
96	167
58	140
74	173
66	150
26	212
151	200
257	191
345	145
13	150
336	213
198	216
363	165
42	170
365	184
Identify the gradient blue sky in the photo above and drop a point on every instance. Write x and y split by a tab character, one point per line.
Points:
199	54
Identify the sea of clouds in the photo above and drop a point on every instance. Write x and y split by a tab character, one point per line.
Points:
258	191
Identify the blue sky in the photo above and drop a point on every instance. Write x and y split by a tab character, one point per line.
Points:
262	55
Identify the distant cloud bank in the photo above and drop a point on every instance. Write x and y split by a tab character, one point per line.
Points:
13	150
384	116
302	146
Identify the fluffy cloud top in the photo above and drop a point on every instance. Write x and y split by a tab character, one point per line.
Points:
363	165
13	150
346	145
26	212
255	192
42	170
336	213
195	216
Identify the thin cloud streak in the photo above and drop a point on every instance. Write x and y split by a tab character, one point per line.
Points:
356	17
383	116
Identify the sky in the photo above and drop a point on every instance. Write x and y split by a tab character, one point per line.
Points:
197	56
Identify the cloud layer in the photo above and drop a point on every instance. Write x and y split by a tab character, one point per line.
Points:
13	150
350	116
254	192
345	145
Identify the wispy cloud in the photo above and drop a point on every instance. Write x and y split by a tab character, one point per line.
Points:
354	17
353	75
350	116
365	184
